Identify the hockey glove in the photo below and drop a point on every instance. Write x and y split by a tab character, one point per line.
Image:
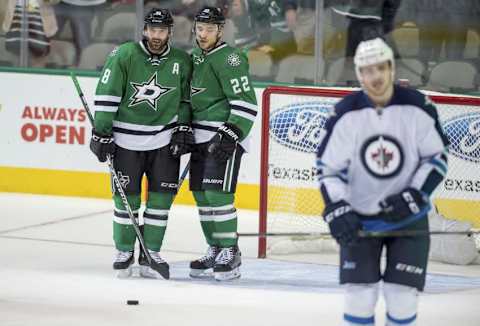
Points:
102	145
224	143
182	140
343	222
399	206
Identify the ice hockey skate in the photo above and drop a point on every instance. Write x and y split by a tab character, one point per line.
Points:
148	272
123	263
203	266
227	264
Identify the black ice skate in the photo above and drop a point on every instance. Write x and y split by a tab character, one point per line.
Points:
123	263
227	264
145	269
202	266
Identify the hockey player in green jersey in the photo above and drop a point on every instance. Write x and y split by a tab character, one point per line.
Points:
141	99
224	108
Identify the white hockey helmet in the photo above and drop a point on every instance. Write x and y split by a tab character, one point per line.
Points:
372	52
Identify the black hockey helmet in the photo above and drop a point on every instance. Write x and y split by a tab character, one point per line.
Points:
159	17
211	15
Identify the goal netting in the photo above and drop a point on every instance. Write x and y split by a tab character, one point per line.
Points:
292	126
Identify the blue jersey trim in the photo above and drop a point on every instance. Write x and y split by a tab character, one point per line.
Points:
380	225
440	163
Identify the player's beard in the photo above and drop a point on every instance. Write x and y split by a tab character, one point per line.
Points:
157	45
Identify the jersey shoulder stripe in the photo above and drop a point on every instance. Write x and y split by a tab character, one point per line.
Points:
244	109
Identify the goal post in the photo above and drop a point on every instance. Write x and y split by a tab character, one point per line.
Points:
292	126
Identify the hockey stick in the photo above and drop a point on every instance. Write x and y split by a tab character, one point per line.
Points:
183	175
361	234
162	270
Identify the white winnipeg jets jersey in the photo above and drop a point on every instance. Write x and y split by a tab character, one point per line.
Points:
369	154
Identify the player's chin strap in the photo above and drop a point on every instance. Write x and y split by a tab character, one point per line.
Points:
361	234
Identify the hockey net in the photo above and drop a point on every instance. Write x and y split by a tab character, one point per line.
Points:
292	126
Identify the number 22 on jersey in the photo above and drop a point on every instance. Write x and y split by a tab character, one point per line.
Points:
240	85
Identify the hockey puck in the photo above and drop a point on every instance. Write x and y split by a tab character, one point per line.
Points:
132	302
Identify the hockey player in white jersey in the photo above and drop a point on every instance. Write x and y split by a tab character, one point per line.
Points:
382	156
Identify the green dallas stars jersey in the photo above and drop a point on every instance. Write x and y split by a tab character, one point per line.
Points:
221	92
140	96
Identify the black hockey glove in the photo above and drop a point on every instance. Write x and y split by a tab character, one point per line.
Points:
102	145
399	206
343	222
223	144
182	140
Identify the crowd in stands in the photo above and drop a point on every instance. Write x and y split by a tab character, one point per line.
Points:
279	36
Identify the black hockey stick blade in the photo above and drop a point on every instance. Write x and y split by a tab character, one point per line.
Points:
162	269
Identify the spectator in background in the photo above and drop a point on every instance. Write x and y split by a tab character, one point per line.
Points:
187	8
443	23
431	24
458	16
368	19
2	11
80	14
184	12
275	37
475	26
300	18
245	34
263	25
41	26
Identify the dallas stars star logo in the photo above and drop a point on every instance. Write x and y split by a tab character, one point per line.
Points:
148	92
196	90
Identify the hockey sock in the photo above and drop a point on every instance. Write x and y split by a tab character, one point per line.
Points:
206	218
360	302
123	231
401	302
224	216
155	218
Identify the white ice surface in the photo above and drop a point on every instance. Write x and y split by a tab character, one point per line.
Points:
56	255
